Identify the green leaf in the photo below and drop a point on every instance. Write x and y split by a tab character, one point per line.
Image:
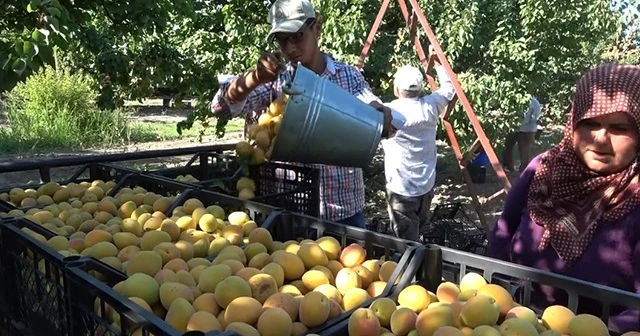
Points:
18	66
18	47
7	63
30	50
33	6
41	36
46	55
53	23
54	11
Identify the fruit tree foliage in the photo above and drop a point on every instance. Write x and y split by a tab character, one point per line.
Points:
497	48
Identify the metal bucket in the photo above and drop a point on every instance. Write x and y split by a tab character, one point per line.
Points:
325	124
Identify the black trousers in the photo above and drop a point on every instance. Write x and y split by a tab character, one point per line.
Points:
408	214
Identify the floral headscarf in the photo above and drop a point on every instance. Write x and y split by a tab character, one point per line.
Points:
566	197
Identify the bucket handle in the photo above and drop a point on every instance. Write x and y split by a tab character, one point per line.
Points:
289	90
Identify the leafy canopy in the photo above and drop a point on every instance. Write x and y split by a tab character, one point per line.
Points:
497	48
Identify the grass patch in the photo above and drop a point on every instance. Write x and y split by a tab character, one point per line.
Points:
131	133
57	109
147	132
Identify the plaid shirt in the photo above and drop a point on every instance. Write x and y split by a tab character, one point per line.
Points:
341	188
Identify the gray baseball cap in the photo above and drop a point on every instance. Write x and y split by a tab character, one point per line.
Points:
288	16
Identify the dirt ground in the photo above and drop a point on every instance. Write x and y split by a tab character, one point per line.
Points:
450	186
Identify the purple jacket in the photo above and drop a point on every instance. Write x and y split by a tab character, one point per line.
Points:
612	259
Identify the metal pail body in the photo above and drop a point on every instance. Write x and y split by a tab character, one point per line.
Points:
326	124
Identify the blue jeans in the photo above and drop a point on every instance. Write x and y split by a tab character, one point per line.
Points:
356	220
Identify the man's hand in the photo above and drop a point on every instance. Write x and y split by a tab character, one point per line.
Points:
221	110
432	53
387	128
269	67
267	70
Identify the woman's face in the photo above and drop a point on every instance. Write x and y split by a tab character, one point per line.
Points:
606	144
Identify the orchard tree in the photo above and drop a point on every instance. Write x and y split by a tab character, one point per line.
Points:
626	47
30	34
125	43
497	48
500	48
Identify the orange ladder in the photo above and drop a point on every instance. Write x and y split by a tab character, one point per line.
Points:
427	62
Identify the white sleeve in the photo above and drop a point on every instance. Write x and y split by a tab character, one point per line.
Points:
223	82
439	99
398	120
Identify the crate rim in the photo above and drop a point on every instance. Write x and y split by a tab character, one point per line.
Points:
573	286
626	298
405	271
74	176
248	204
75	271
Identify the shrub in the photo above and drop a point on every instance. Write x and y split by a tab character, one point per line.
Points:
57	109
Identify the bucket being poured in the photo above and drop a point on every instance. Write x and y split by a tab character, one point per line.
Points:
326	124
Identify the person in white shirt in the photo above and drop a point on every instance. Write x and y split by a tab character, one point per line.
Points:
410	154
525	136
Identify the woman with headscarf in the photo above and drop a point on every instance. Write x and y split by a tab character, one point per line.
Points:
575	210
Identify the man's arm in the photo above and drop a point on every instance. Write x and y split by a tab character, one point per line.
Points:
535	109
243	94
361	89
219	107
440	99
433	104
253	89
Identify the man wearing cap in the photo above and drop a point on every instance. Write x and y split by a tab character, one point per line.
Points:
296	32
410	155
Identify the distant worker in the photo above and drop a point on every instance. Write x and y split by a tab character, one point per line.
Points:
410	154
525	136
296	31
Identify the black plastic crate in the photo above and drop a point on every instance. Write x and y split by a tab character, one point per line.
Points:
408	255
45	165
153	184
457	233
124	178
89	299
257	211
211	168
523	282
5	206
446	264
9	327
6	314
291	187
446	211
288	186
86	173
33	276
451	227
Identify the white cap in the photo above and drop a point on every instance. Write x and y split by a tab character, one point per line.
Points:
408	78
288	16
